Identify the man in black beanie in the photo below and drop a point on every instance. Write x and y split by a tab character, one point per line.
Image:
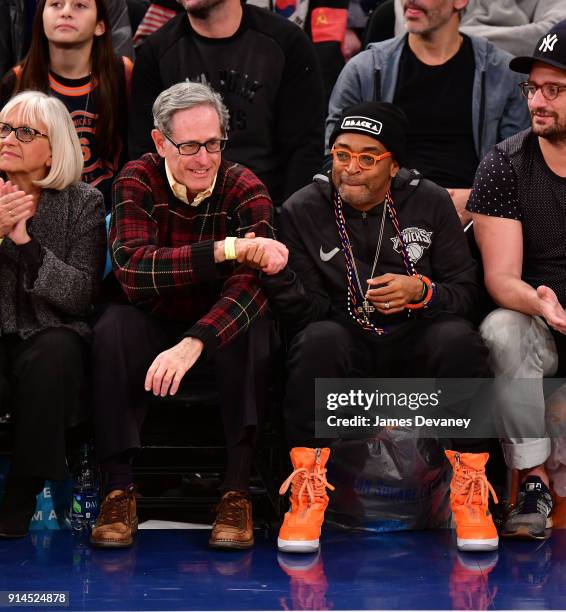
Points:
457	91
380	282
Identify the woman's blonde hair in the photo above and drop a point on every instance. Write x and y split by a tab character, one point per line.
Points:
66	155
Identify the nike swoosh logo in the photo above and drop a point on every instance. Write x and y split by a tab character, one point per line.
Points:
328	256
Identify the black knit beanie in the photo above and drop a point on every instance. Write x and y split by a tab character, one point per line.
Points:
380	120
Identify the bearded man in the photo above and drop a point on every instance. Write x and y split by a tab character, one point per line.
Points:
519	223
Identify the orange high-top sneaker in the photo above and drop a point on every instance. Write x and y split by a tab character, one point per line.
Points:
300	531
469	493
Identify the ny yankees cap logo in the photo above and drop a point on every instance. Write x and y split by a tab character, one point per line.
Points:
548	43
363	124
550	49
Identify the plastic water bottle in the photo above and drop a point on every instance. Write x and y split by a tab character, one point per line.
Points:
85	502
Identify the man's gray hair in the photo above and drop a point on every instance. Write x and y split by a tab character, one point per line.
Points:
183	96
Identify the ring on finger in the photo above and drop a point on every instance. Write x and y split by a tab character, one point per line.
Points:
386	305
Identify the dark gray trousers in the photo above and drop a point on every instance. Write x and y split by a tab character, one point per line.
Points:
127	340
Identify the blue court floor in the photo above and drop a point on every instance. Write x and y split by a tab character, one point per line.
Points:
174	570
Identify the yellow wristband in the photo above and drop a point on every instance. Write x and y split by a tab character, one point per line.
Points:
230	248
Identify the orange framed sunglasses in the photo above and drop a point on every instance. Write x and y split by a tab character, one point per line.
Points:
366	161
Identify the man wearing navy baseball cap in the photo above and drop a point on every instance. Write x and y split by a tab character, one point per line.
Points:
519	210
550	50
380	282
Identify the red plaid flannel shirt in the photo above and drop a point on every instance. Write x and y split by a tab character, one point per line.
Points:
163	249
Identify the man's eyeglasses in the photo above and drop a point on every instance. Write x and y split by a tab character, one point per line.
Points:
550	91
192	147
23	132
366	161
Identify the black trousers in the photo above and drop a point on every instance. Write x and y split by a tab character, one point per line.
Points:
42	383
442	347
127	340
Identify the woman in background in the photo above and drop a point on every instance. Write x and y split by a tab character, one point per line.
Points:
71	57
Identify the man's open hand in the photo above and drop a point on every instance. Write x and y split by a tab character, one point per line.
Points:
168	368
551	309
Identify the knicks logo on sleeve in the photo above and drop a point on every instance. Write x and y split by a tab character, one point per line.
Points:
417	241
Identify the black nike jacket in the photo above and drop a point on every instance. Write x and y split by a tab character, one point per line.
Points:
313	287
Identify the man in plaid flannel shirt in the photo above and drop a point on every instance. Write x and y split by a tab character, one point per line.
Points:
181	220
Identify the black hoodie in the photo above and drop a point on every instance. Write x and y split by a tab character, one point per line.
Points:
313	285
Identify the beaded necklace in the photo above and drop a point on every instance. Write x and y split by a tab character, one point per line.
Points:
358	306
366	305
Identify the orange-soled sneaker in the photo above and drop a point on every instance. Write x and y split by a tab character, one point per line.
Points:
469	496
300	531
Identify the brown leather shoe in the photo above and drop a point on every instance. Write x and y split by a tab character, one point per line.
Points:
117	522
233	527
